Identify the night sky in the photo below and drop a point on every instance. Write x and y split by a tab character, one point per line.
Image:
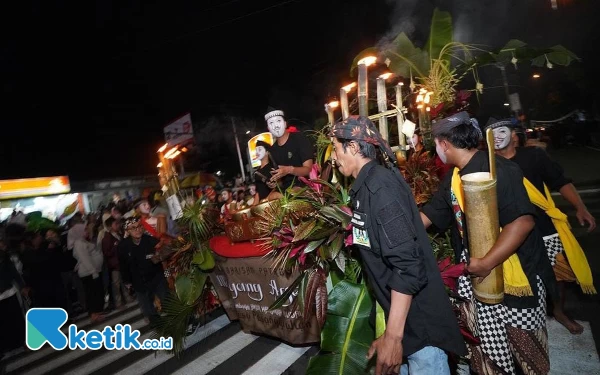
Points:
87	89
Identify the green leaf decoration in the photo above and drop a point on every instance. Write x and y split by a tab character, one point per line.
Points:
284	297
440	34
405	58
379	320
174	322
336	245
347	334
340	261
204	259
189	287
313	245
303	230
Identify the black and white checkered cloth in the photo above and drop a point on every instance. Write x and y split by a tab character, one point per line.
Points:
554	247
492	321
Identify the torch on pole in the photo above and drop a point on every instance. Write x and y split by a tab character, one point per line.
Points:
239	152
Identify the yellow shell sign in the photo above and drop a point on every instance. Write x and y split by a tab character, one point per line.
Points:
265	137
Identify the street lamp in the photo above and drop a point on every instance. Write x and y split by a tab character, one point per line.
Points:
239	152
344	99
363	84
536	76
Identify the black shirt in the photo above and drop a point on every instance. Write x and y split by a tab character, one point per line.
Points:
539	169
262	176
399	257
135	263
513	202
295	151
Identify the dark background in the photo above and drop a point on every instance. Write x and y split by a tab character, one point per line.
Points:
87	87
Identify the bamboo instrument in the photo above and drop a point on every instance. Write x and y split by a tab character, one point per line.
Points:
483	227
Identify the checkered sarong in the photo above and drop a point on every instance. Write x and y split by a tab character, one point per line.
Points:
554	247
493	319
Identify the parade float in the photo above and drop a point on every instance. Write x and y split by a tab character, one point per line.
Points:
285	267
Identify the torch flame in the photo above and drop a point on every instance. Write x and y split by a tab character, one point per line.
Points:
170	152
349	87
164	147
369	60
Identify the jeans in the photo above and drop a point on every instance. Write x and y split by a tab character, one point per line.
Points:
157	287
427	361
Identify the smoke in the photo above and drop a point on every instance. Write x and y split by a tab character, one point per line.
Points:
402	19
483	22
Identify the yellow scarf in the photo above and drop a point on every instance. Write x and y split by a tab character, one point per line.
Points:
574	252
515	281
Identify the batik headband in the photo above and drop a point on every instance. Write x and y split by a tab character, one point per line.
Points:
360	128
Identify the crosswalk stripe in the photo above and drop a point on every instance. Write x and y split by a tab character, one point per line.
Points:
34	356
277	361
70	355
214	357
152	361
106	358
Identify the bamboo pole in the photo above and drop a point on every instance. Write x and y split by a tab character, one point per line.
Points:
363	90
344	103
400	118
382	106
483	227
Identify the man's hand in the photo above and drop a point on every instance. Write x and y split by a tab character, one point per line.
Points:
25	291
583	216
478	267
282	171
389	350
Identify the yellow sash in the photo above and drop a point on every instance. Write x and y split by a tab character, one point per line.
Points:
574	252
515	281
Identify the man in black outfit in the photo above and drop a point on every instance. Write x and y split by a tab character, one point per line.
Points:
141	267
396	256
292	152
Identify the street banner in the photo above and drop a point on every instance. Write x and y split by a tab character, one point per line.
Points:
179	131
247	287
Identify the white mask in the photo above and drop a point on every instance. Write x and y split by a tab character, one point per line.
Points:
502	137
260	152
440	152
276	126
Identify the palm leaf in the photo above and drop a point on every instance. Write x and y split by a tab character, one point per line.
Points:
174	322
347	334
440	34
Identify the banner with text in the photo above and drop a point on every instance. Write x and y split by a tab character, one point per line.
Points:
180	131
248	286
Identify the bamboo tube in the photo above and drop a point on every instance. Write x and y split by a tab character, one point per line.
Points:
401	138
483	227
382	106
363	90
344	104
